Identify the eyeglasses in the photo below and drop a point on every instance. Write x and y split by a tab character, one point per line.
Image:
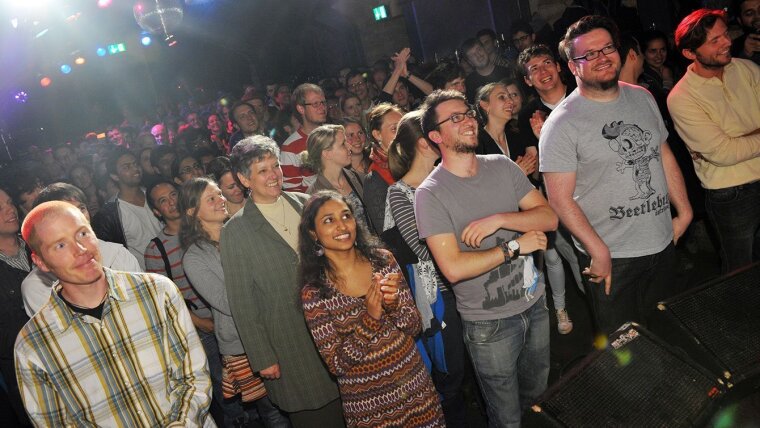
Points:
316	104
520	39
357	84
458	117
189	169
592	55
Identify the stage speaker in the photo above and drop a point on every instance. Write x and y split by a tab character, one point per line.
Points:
636	381
717	324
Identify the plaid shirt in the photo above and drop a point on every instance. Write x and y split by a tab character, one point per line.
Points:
141	365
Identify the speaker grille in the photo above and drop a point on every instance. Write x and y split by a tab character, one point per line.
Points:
725	317
640	384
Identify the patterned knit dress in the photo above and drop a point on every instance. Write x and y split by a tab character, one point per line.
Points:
383	381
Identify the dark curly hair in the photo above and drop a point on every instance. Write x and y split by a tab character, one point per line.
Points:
314	269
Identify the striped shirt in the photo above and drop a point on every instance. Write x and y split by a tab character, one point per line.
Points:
141	365
20	260
296	177
154	263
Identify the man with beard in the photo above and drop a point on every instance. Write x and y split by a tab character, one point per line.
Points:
611	177
483	246
748	44
128	220
716	110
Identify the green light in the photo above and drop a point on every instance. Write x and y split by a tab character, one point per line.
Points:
116	48
380	13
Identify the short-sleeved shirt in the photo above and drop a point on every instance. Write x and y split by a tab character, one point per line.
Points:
154	263
140	226
614	150
446	203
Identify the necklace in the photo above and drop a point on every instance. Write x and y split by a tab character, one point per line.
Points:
85	307
282	224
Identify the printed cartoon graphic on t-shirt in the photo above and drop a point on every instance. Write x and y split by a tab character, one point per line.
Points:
630	143
510	281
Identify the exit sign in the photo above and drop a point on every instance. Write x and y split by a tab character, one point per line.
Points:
116	48
380	12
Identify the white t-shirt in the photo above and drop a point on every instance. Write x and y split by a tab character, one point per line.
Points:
140	226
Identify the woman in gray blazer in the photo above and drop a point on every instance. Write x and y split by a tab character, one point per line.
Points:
258	248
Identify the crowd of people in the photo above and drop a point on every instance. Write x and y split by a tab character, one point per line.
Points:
325	254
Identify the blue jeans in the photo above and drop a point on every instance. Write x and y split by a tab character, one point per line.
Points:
735	214
511	361
638	283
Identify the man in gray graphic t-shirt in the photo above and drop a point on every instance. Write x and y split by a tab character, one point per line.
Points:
482	220
612	178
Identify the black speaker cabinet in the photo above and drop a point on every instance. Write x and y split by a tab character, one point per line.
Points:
717	324
637	381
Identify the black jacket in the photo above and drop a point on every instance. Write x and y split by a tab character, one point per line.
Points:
12	313
107	224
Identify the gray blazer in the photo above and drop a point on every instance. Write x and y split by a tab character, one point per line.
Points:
261	275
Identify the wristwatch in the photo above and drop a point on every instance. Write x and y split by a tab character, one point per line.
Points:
515	247
512	246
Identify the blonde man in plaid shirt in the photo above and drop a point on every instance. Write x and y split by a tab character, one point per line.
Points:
109	348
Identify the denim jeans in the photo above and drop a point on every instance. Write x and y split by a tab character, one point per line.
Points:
511	361
735	214
638	283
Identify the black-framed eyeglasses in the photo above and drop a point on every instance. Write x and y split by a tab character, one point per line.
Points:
592	55
458	117
317	104
357	84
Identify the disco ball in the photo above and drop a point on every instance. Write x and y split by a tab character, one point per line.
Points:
158	16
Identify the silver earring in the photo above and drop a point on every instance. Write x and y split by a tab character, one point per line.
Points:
319	250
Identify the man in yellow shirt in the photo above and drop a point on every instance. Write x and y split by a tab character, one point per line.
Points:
716	109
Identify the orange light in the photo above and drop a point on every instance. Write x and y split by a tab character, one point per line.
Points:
79	61
45	82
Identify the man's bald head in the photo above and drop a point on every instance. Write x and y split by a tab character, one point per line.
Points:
44	211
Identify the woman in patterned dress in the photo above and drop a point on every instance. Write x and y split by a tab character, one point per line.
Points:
363	320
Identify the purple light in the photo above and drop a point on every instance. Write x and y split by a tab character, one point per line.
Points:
21	97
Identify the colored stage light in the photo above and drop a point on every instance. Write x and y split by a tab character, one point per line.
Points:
45	82
21	97
104	3
101	52
79	61
146	40
65	69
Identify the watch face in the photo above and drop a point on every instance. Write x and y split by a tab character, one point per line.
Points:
513	245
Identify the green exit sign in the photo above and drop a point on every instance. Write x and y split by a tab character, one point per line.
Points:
116	48
380	12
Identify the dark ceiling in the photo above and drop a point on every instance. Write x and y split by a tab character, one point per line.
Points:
222	44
